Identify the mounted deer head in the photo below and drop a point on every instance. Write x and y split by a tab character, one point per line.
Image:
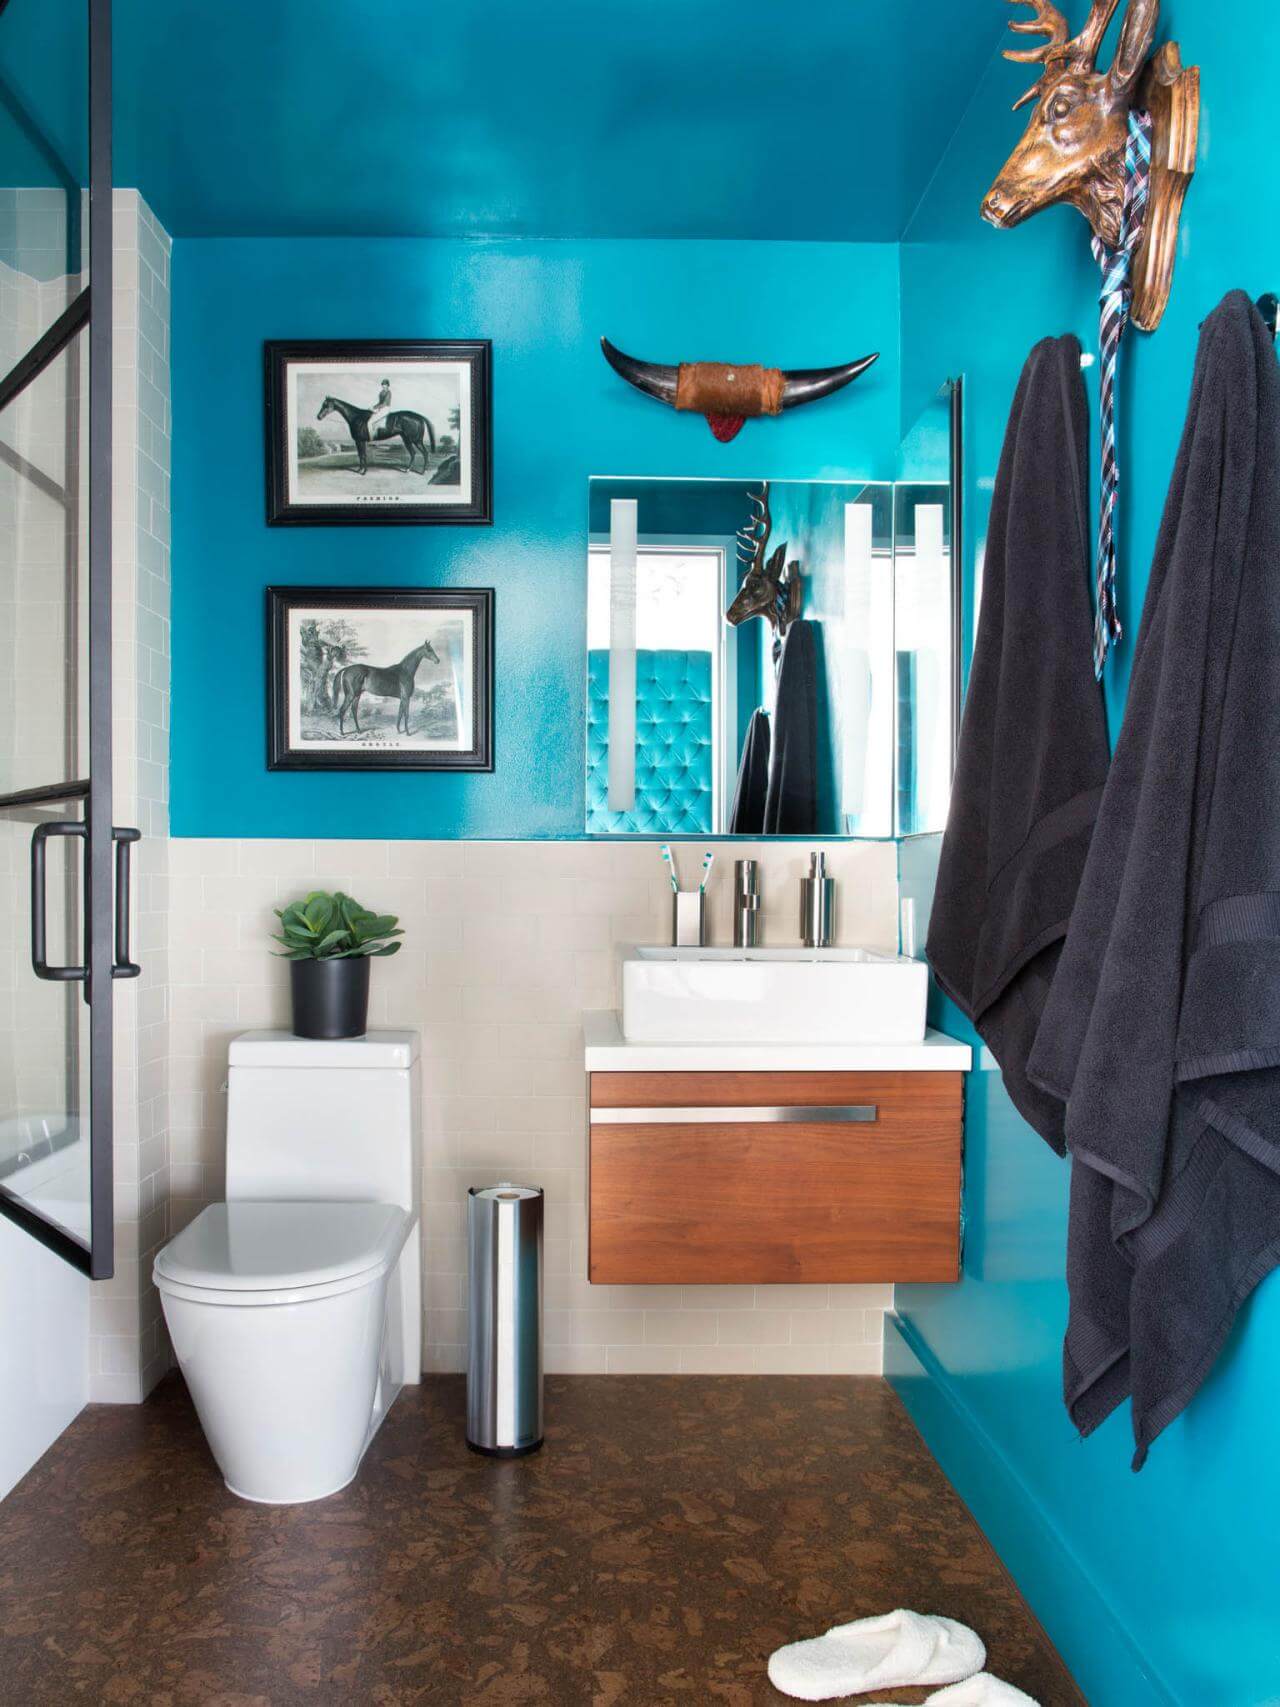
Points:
769	589
729	395
1073	149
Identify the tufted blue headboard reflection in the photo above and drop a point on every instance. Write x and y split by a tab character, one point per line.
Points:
674	755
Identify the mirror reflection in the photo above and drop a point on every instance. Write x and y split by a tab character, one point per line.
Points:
773	657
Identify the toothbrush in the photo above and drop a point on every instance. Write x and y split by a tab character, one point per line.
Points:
708	860
671	867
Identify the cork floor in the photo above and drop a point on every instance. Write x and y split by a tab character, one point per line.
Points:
672	1532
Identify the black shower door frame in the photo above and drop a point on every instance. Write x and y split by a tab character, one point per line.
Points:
106	852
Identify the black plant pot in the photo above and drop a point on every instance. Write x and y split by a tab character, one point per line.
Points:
330	997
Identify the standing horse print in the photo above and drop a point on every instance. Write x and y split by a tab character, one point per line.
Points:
386	678
378	432
395	683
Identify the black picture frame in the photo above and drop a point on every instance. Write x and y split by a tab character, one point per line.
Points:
313	491
287	751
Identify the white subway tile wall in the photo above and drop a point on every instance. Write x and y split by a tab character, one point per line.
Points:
507	944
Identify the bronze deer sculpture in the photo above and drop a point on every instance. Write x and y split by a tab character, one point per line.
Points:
770	589
1074	145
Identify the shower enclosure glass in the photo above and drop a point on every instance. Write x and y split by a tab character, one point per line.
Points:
60	861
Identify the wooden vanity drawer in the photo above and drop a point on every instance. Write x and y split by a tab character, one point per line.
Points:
728	1178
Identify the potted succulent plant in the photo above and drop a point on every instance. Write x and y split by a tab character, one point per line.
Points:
330	940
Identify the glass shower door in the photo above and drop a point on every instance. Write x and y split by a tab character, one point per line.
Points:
63	871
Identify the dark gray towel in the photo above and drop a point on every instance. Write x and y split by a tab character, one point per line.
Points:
1033	745
791	805
746	817
1162	1032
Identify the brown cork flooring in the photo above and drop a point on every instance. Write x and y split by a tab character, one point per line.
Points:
670	1534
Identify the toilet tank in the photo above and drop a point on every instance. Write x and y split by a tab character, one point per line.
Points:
313	1120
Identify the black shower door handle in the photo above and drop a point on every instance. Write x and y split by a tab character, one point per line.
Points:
122	966
39	934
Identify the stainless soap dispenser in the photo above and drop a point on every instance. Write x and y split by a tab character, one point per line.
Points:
817	904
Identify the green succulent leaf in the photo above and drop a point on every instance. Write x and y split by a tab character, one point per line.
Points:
318	912
321	926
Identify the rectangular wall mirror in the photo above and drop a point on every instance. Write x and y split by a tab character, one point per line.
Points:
776	657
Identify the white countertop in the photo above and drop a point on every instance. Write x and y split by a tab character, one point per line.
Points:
607	1051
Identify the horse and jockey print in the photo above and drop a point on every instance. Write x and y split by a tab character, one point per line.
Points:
370	427
367	432
359	433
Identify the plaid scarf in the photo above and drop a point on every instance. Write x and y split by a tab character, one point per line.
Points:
1115	298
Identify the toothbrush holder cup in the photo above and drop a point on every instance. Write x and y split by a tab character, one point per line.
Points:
688	919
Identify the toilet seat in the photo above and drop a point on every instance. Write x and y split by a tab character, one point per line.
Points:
246	1254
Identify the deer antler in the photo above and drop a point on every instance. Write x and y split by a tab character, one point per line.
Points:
751	541
1080	51
1084	49
1048	21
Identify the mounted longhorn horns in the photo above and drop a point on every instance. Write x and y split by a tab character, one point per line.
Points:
729	395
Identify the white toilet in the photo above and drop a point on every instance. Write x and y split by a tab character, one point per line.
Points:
294	1306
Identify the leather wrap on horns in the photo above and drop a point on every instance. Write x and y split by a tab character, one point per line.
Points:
714	388
720	388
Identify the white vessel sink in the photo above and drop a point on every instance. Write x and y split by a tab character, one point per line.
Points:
772	995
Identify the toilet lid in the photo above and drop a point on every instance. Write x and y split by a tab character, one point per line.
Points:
273	1247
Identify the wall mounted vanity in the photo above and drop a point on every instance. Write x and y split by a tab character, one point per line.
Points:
719	1164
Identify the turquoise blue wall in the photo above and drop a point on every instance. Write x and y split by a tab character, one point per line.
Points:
560	415
1159	1587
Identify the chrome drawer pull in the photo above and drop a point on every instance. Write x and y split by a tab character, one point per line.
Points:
793	1115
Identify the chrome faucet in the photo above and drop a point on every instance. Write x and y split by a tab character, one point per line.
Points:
746	903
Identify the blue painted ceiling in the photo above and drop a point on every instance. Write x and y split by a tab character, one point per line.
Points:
529	118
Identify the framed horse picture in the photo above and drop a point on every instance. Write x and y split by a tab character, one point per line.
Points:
379	432
380	678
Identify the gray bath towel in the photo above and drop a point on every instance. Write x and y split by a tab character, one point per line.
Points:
1033	745
1162	1031
746	817
791	803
